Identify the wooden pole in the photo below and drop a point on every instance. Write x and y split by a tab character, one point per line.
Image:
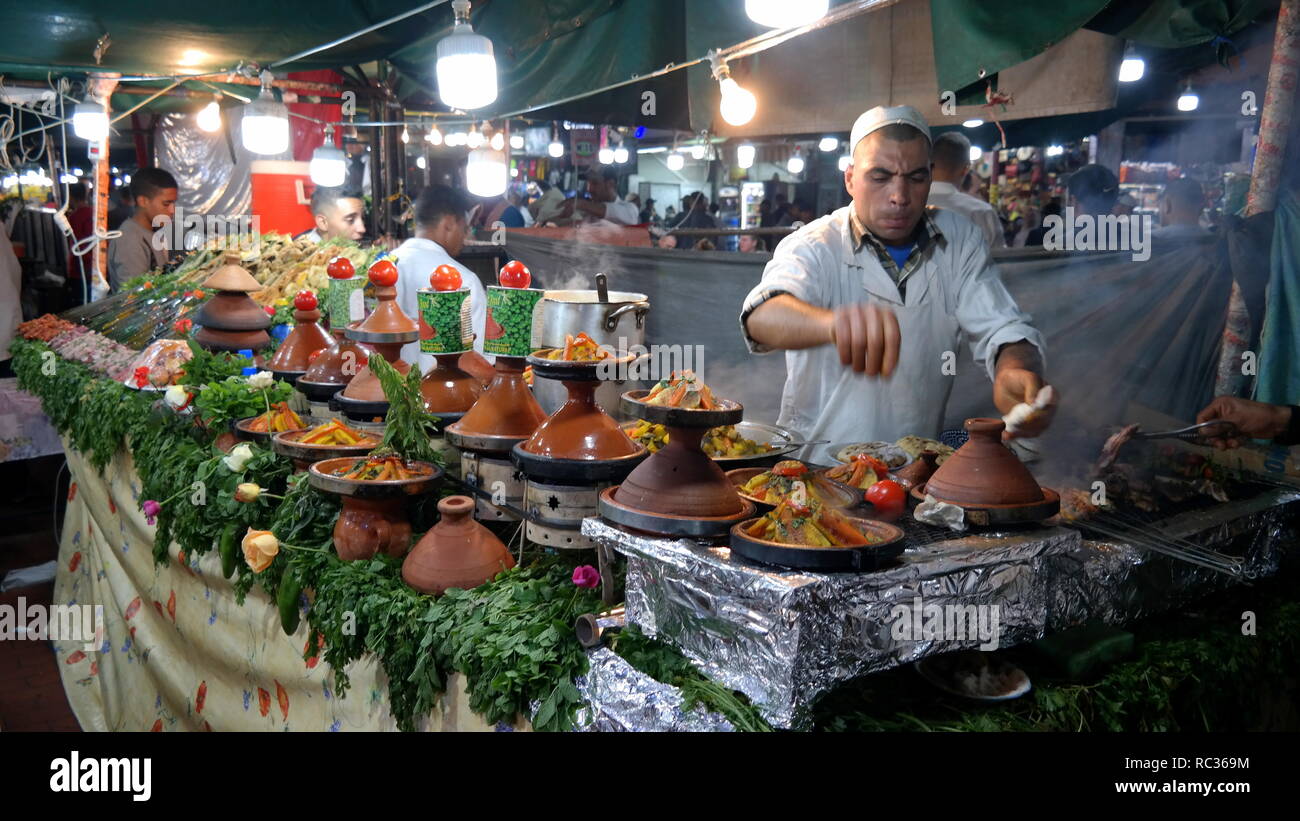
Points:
1275	116
102	88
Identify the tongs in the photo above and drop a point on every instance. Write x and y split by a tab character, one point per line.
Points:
1191	433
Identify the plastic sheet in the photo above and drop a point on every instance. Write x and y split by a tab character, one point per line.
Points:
214	174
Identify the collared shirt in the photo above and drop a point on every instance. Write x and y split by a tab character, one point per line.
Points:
926	233
953	295
946	196
416	260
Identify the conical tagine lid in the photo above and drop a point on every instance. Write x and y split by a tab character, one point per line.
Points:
984	472
231	276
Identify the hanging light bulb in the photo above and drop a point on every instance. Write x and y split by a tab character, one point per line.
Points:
698	151
485	173
606	156
1188	101
467	69
738	105
406	136
475	138
675	162
1133	66
828	144
976	153
514	171
517	142
498	142
745	155
434	136
974	122
782	14
90	121
620	155
555	149
209	117
845	162
329	165
421	163
265	124
795	165
1055	150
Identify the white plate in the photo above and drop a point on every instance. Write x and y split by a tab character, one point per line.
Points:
945	683
893	451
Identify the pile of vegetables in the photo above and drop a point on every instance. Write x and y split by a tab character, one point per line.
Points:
580	348
387	467
725	442
797	520
277	420
335	432
783	481
863	472
682	390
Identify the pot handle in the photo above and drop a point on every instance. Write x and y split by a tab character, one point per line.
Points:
641	309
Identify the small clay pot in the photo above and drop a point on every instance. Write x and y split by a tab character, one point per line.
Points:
448	389
368	527
506	408
456	552
306	338
919	471
984	472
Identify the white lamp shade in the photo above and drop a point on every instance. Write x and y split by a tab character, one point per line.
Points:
620	155
697	151
516	141
90	122
467	70
329	166
745	155
265	125
209	117
486	174
498	142
738	105
555	149
434	137
1132	69
475	139
780	14
606	156
795	166
845	162
976	153
974	122
1188	101
829	144
675	162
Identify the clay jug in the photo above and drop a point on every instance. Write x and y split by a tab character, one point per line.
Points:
456	552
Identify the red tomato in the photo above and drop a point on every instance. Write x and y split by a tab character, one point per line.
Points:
383	274
340	268
887	495
445	278
515	274
790	468
305	301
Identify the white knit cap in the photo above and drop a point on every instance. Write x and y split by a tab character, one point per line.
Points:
881	116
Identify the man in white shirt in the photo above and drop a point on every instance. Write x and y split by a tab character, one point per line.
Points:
1180	211
871	301
337	212
440	231
951	158
605	203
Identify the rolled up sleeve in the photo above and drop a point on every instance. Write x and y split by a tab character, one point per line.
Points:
987	313
793	270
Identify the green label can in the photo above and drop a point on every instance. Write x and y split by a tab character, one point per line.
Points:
509	327
445	321
345	301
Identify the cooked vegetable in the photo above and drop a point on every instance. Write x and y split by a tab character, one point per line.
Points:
280	418
723	442
683	390
863	472
818	526
382	468
772	486
335	432
580	348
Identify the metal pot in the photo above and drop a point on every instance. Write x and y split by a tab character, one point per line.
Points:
614	318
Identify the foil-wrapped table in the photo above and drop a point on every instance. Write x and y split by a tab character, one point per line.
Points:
784	638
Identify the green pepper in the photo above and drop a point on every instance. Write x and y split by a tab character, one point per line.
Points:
287	599
229	549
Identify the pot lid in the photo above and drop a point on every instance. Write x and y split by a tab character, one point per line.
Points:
984	472
593	297
232	276
388	318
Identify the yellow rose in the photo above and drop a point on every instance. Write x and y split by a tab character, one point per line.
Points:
247	492
260	549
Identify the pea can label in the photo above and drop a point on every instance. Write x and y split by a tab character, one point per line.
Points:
444	321
509	327
341	304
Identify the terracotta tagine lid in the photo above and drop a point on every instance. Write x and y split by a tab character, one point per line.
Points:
448	389
506	408
232	311
214	339
919	471
386	330
331	366
581	429
984	472
306	338
456	552
232	276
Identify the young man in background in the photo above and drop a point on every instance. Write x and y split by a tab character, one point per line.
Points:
153	193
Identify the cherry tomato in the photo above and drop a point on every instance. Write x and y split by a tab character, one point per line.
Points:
790	468
340	268
445	278
383	273
887	495
305	301
515	274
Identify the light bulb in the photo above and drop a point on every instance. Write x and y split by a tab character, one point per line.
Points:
90	121
697	151
555	149
78	172
675	162
406	136
514	172
209	117
329	165
467	69
1188	101
265	125
738	105
1055	150
781	14
845	162
1133	66
795	165
620	155
973	123
606	156
475	139
434	137
745	155
517	142
421	163
485	173
976	153
828	144
498	142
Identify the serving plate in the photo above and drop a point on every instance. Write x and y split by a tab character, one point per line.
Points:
786	442
937	672
822	559
831	454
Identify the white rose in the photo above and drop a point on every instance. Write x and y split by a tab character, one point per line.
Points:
261	380
237	458
176	396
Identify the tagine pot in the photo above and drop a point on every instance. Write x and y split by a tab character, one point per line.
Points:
448	389
506	408
918	471
307	338
456	552
581	429
339	362
984	472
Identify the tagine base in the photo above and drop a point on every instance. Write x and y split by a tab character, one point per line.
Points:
446	388
368	527
669	524
996	515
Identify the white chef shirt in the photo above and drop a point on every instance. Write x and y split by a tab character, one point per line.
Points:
945	195
622	212
417	258
953	293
